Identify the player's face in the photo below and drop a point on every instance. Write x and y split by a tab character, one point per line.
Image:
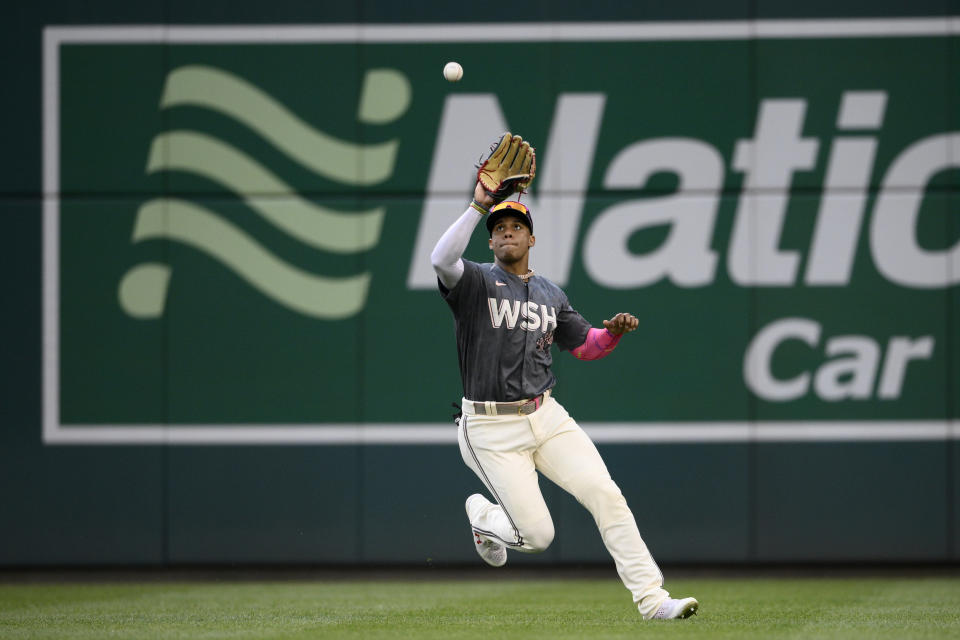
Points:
511	240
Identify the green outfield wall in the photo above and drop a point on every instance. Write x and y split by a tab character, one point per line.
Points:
224	342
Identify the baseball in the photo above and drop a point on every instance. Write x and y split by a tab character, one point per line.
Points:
453	71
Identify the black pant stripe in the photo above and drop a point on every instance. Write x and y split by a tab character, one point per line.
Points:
490	534
486	480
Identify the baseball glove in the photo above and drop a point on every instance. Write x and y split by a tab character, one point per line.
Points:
509	168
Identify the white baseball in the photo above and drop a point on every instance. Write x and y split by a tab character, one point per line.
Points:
453	71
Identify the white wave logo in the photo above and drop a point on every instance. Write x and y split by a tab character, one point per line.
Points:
385	97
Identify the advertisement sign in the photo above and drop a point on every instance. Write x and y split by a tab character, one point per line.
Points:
238	223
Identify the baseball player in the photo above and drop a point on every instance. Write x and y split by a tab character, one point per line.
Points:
511	426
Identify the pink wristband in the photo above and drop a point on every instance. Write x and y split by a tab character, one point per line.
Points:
598	344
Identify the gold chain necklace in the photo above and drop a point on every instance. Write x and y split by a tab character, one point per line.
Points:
526	276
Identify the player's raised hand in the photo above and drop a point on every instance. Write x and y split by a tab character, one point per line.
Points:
482	197
621	323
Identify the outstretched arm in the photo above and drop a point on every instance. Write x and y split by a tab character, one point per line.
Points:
447	255
509	168
600	342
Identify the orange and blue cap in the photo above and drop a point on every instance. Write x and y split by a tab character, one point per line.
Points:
509	208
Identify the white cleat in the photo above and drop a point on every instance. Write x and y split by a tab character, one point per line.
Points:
672	609
493	553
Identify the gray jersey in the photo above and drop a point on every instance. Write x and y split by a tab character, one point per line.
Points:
505	329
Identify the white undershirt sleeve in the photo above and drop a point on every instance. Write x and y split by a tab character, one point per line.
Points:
446	256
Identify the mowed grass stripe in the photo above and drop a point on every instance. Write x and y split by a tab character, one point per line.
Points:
522	609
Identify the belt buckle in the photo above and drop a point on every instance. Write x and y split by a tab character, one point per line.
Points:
525	408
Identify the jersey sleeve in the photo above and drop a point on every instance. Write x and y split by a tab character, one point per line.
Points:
572	328
470	281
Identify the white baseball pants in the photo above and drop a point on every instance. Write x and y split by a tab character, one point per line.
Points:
506	451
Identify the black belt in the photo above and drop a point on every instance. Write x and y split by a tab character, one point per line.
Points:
520	407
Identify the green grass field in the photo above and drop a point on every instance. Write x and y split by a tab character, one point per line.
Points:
908	607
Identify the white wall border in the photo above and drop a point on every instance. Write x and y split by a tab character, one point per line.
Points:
446	434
